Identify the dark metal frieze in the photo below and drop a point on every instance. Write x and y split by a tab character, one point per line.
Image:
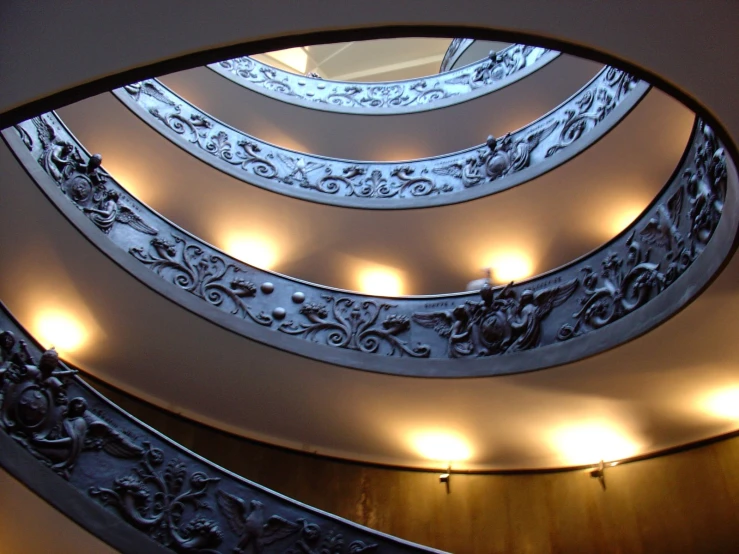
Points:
456	48
38	411
202	273
351	323
501	322
498	70
661	247
487	169
177	499
369	332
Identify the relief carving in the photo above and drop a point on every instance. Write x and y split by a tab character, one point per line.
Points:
202	273
377	98
35	411
256	530
432	177
627	281
501	322
352	324
612	282
159	503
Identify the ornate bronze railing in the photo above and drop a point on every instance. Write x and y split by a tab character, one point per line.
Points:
498	70
457	47
108	471
492	167
615	293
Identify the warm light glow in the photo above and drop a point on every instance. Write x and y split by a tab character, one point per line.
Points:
295	58
60	330
622	219
441	446
591	442
381	281
723	403
510	266
253	250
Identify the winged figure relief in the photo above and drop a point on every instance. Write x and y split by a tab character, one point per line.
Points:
109	211
533	308
250	523
57	155
500	322
455	325
81	430
662	229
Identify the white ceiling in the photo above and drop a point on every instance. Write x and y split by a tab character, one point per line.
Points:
369	60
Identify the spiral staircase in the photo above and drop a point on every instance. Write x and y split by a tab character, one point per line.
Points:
262	230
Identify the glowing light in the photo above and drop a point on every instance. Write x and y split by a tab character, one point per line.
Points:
723	403
253	250
591	442
621	220
60	330
294	58
441	446
510	266
380	281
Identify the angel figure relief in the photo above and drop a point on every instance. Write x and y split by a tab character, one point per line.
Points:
84	181
109	211
501	322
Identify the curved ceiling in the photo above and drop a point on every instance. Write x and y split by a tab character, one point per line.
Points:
653	390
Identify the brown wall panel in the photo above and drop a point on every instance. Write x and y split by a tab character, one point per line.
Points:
683	502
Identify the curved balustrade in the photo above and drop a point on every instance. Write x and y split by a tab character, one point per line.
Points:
599	301
456	48
392	97
478	171
108	471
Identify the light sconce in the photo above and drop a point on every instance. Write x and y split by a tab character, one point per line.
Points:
599	472
445	478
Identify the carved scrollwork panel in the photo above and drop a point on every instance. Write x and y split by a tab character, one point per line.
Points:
369	332
492	167
499	69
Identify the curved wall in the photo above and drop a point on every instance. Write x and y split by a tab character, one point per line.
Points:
618	175
686	501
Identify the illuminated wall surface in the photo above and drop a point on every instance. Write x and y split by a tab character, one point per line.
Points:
687	501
